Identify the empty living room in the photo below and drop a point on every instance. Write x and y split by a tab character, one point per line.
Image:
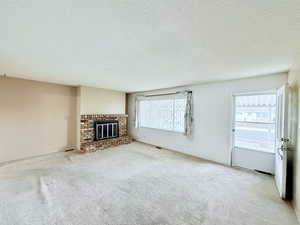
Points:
136	112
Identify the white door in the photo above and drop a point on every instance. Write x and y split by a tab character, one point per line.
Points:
282	140
254	131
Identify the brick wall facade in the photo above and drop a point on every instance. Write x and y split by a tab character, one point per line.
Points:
87	132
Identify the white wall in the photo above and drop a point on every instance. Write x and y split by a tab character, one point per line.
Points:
211	138
101	101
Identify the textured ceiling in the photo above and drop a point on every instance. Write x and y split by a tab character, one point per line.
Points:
135	45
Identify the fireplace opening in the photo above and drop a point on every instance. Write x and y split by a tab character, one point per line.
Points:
105	129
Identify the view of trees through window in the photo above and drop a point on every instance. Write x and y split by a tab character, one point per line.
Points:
255	122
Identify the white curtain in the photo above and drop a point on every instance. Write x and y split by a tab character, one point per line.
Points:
137	124
188	113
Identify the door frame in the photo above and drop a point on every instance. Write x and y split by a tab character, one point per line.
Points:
233	114
284	130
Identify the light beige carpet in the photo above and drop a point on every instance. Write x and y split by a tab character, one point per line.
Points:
136	184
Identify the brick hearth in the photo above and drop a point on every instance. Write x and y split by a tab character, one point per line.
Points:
87	132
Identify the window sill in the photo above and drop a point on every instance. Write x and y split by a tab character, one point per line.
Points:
157	129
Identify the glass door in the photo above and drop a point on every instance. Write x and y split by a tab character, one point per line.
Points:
255	122
255	131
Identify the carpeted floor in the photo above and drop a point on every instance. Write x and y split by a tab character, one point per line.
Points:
136	184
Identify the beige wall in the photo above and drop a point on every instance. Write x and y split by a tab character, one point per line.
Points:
101	101
294	74
297	189
294	80
35	118
296	195
297	162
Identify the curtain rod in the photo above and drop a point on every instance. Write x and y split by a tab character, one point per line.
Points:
172	93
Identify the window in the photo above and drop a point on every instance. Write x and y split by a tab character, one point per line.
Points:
255	122
165	113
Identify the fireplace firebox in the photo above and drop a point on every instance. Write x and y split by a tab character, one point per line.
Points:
105	129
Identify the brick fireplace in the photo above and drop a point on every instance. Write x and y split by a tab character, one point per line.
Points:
88	124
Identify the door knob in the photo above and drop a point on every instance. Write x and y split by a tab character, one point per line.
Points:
285	140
